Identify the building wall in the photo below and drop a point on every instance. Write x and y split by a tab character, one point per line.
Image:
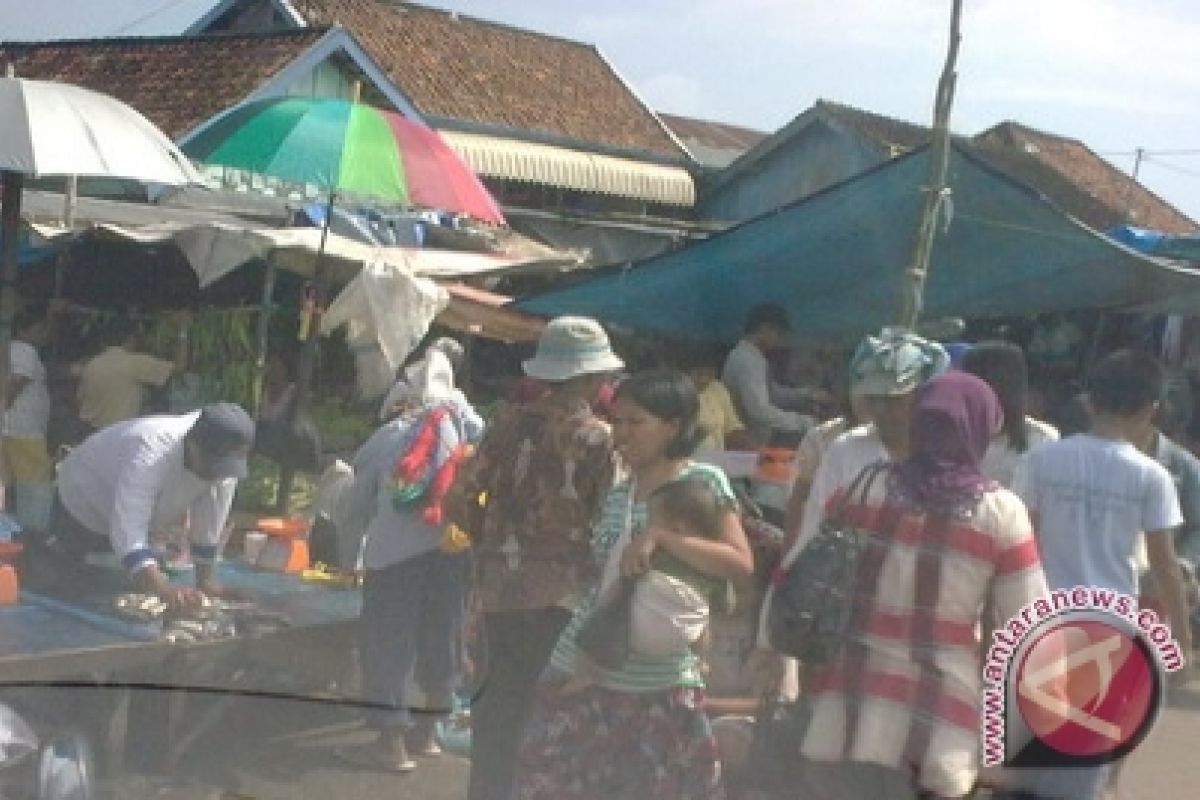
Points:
814	158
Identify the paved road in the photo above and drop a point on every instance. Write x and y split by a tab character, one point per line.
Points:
279	750
271	749
1167	765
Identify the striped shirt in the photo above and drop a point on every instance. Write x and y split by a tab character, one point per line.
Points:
905	692
641	673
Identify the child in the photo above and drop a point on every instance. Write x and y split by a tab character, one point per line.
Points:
1090	497
670	605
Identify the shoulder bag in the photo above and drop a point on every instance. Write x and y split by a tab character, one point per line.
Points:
813	599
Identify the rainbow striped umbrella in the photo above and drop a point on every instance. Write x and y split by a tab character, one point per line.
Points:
345	148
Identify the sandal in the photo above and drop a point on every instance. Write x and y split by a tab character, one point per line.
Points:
370	757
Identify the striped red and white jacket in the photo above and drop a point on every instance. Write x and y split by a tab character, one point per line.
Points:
906	691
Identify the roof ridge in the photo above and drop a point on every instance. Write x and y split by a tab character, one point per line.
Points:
836	107
404	6
708	121
289	33
1021	126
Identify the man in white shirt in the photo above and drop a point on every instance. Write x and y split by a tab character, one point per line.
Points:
1090	496
139	476
756	397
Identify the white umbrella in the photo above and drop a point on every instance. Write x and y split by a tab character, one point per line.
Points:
58	129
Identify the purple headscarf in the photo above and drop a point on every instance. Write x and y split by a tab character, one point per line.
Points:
954	419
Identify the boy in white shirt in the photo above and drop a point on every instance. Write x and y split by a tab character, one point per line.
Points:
1090	496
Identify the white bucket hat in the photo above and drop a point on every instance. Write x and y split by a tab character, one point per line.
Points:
570	347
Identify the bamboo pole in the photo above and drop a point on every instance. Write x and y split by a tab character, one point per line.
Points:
10	229
264	333
306	368
936	192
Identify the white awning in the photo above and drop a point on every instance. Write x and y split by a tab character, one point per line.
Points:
573	169
214	249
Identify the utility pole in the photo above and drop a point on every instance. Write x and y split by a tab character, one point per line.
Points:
936	191
1139	155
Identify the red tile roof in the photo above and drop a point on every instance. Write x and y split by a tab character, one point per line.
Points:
1063	169
712	143
176	82
461	68
1119	199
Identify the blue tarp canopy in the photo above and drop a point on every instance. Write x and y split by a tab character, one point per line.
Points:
836	261
1157	243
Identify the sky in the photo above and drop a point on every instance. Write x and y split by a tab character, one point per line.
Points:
1116	74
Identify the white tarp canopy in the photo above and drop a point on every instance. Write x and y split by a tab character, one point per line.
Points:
379	337
214	249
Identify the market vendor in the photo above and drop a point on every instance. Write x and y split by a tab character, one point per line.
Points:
137	477
112	385
759	400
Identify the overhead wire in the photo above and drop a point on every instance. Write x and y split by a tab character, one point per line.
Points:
167	6
1172	167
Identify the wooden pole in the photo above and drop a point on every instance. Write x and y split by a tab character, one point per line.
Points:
912	294
70	202
10	230
264	334
308	354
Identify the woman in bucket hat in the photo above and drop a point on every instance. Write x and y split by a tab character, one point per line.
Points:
544	467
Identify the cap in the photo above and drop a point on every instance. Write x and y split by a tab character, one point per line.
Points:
225	433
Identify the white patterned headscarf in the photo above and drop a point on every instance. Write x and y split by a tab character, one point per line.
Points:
897	361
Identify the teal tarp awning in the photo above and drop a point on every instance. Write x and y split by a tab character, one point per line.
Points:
836	260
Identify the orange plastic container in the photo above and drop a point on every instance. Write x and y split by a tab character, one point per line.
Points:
10	587
285	527
283	554
9	551
775	463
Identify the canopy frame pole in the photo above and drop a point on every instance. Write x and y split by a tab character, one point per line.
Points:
61	258
936	192
10	231
306	368
264	333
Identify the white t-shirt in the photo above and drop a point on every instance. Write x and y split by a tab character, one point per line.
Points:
129	479
30	411
1001	460
842	462
849	454
1091	498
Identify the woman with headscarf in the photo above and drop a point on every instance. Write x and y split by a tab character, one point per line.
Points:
414	591
896	714
885	373
1002	365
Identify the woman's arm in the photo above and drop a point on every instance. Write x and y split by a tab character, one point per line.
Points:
728	556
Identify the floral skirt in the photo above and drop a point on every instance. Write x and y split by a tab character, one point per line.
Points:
599	744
